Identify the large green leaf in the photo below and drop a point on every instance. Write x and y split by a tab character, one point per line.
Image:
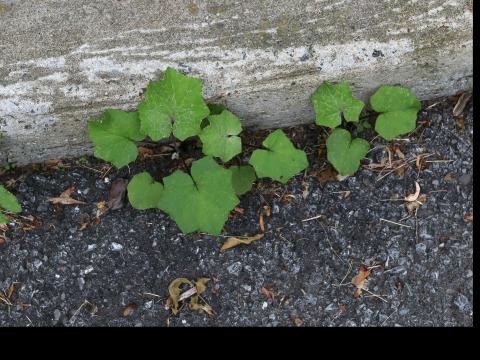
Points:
281	161
220	137
9	203
398	107
345	154
144	192
330	101
201	201
174	103
242	178
114	136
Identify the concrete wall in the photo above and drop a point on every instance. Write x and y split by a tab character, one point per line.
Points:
62	62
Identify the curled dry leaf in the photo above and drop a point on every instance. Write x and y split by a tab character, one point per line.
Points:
195	305
235	241
298	321
399	153
261	223
174	292
201	284
267	293
267	210
414	197
116	194
359	280
65	198
326	175
414	205
129	309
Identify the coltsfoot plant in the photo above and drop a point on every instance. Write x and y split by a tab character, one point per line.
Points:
398	108
9	203
202	199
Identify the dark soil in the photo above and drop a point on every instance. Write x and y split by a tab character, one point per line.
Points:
422	271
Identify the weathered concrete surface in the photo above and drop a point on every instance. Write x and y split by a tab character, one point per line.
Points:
62	62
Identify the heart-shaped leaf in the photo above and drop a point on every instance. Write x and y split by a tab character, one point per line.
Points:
281	161
144	192
242	178
330	101
345	154
9	203
174	103
114	136
201	201
220	138
398	107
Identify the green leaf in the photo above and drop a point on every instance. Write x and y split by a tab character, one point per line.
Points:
216	109
8	201
201	201
114	136
3	219
144	192
330	101
281	161
220	137
345	154
174	103
398	107
242	178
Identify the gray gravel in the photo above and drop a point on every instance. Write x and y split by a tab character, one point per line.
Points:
424	277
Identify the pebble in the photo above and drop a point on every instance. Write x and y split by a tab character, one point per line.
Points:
56	315
235	268
465	179
116	246
462	302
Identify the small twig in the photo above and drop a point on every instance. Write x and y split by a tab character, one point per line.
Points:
393	222
313	218
348	272
375	295
389	316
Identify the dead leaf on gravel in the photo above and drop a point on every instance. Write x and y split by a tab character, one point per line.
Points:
341	308
65	198
239	210
420	162
460	122
267	210
129	309
261	222
52	163
449	177
174	292
267	293
468	217
101	209
298	321
85	222
144	152
359	280
414	196
235	241
461	103
195	305
414	205
116	194
399	153
326	175
201	284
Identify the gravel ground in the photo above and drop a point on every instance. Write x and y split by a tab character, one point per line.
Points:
422	270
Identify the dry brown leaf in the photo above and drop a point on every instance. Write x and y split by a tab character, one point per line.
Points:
288	198
399	153
129	309
327	175
235	241
468	217
305	192
201	284
261	223
116	194
400	171
414	205
144	152
267	210
267	293
65	198
174	292
11	290
298	321
460	122
414	196
239	210
101	209
52	162
461	103
359	280
419	162
194	305
341	308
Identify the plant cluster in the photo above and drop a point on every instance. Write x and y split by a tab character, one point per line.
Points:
397	108
202	199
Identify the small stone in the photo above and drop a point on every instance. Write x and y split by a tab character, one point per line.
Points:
435	182
56	315
264	305
116	246
465	179
88	270
421	248
148	304
81	283
91	247
247	287
235	268
462	302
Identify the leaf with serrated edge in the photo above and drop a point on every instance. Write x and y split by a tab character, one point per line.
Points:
144	192
174	103
114	136
242	178
220	138
345	154
398	108
281	161
330	101
202	201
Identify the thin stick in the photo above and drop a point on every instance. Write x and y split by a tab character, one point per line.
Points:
348	272
313	218
393	222
389	316
378	296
